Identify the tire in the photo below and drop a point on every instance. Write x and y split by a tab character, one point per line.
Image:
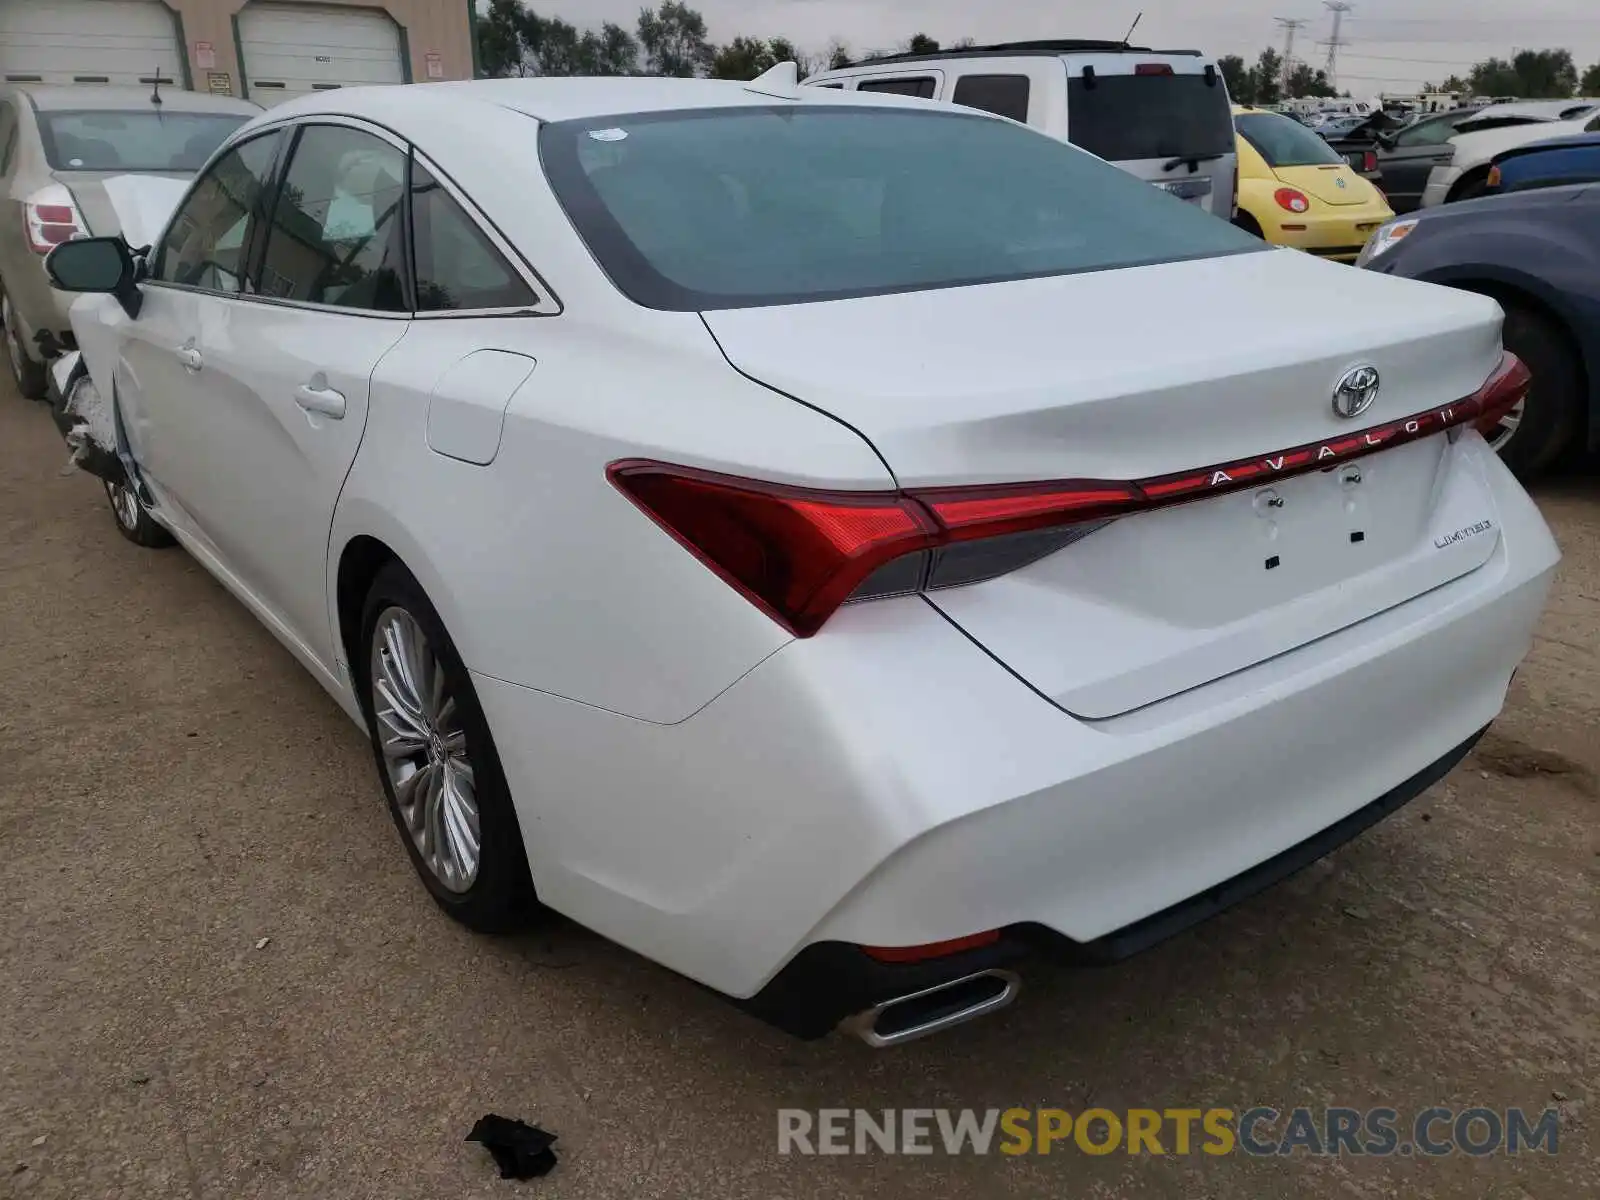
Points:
30	376
1552	415
133	519
450	750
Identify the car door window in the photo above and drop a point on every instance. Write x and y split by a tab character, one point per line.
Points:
1593	126
920	85
205	244
1003	95
1427	133
336	232
457	266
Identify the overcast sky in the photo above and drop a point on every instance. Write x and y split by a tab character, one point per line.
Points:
1394	44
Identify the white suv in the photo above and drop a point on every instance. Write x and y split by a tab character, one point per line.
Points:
1162	115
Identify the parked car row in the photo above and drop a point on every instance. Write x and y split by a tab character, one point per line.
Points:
835	544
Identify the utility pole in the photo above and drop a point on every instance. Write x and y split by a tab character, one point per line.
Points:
1290	25
1338	8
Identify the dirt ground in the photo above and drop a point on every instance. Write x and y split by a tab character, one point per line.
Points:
175	790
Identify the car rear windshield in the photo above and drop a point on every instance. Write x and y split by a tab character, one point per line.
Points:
1124	118
734	208
1285	143
84	140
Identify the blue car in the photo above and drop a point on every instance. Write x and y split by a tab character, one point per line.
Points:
1536	251
1574	159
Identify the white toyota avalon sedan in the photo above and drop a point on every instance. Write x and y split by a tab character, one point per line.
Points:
834	544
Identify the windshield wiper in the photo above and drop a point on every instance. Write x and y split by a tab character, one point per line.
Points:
1194	160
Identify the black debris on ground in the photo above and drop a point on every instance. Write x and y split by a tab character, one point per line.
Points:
520	1150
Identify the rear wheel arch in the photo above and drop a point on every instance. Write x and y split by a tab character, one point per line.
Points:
360	562
1249	224
1520	300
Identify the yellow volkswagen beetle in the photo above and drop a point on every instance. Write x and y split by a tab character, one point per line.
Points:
1296	190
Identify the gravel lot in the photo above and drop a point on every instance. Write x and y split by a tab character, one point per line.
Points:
176	789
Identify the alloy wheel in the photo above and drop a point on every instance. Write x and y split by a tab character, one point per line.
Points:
125	505
425	750
1500	436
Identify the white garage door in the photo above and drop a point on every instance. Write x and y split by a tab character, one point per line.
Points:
292	49
88	41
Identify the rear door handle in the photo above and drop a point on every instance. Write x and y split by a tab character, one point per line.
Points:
190	358
320	400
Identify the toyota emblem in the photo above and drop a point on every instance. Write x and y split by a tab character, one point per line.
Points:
1356	392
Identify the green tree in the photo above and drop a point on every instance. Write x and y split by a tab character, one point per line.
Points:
612	51
921	43
1305	80
674	39
500	39
1590	84
1531	74
1241	85
838	55
742	58
1267	75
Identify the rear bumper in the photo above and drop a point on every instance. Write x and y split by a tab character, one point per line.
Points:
888	783
1340	236
829	981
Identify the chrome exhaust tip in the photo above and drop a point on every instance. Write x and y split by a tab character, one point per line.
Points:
906	1018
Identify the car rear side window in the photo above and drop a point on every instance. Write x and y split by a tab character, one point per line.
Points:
1003	95
205	245
923	86
1285	143
728	208
335	236
457	266
1126	118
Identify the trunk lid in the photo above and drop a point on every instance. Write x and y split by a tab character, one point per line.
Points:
1332	184
1140	373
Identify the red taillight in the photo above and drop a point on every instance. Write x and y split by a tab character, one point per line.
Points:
800	553
1292	200
796	552
905	954
1507	388
1369	161
1153	69
51	218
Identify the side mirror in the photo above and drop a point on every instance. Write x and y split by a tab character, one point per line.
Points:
1386	139
101	264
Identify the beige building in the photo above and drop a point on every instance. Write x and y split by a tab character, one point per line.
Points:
267	50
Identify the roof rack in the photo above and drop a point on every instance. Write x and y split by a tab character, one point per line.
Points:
1052	46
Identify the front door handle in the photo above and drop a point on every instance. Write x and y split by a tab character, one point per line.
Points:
190	358
320	400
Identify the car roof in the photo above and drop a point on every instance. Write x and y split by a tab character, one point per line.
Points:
1570	141
571	98
1544	110
1053	48
100	97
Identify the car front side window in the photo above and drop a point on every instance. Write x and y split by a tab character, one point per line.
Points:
205	244
336	235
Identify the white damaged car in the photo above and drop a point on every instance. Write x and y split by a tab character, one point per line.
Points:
742	526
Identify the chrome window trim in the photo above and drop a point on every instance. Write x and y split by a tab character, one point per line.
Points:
548	304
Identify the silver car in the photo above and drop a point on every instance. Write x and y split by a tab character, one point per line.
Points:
57	147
